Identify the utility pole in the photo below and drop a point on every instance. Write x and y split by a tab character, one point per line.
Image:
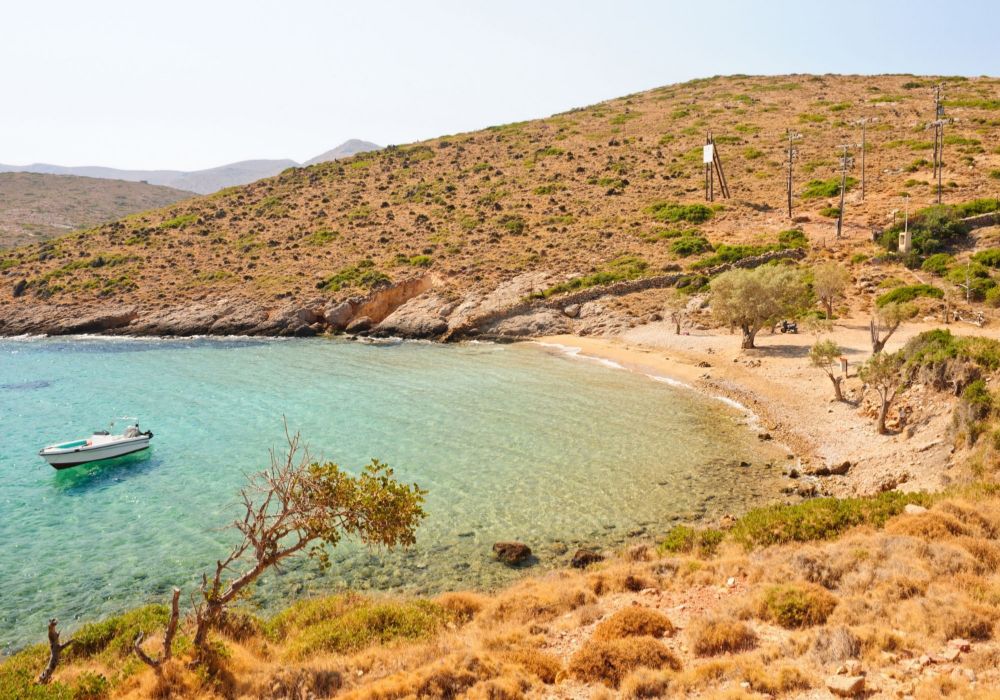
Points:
864	125
938	124
713	169
843	187
791	157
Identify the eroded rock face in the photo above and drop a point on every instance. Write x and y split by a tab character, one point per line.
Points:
536	323
223	317
512	553
337	316
424	316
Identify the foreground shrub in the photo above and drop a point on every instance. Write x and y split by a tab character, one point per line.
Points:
371	623
646	683
795	605
684	539
938	264
819	518
114	635
689	245
634	621
712	636
609	661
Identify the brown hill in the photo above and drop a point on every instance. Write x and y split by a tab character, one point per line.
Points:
36	207
586	191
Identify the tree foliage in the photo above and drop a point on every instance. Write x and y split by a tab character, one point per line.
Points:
883	372
829	282
298	504
825	355
751	299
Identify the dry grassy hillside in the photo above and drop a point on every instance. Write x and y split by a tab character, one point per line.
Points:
567	195
36	207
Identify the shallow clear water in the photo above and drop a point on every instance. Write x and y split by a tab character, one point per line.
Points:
512	442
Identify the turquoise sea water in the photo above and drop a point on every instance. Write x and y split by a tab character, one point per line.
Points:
512	442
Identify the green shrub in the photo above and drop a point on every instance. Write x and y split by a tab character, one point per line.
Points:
858	258
819	518
673	212
179	221
818	189
683	539
793	238
795	605
992	297
937	264
420	261
689	245
367	624
114	635
363	274
830	212
91	686
989	258
976	275
18	673
322	237
551	188
626	267
902	295
725	253
514	225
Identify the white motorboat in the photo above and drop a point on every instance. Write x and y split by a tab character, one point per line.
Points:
100	445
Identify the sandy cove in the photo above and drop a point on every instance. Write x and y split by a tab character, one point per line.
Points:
794	401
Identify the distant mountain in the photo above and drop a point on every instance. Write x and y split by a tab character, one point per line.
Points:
347	148
200	181
37	206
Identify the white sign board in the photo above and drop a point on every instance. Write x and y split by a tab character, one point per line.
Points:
708	153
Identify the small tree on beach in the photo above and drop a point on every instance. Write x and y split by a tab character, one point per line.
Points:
298	504
887	319
825	354
883	372
677	310
750	299
829	282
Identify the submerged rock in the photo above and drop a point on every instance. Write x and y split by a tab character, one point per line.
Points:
585	557
512	553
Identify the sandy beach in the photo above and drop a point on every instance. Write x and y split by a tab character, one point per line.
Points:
794	400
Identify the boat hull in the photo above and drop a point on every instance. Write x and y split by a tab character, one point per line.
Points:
64	459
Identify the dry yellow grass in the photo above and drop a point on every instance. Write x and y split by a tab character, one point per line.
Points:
711	636
634	621
610	660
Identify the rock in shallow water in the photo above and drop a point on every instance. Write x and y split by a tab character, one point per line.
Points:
512	553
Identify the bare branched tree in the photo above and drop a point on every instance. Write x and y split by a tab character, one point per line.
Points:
296	504
168	636
56	649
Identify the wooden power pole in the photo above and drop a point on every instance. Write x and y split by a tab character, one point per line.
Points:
844	162
938	124
791	158
713	170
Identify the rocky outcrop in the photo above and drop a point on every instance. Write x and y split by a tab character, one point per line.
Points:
424	316
541	322
54	319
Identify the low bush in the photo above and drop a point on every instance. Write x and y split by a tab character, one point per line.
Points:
370	623
937	264
820	189
716	635
793	238
830	212
976	275
689	245
114	635
796	605
989	257
819	518
634	621
673	212
609	661
683	539
907	293
363	274
626	267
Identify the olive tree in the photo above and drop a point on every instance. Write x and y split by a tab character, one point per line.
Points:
825	355
887	319
298	504
829	282
750	299
884	373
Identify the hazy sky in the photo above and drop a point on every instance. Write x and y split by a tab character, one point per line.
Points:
191	84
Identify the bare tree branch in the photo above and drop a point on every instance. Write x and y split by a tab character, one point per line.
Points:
55	652
168	636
